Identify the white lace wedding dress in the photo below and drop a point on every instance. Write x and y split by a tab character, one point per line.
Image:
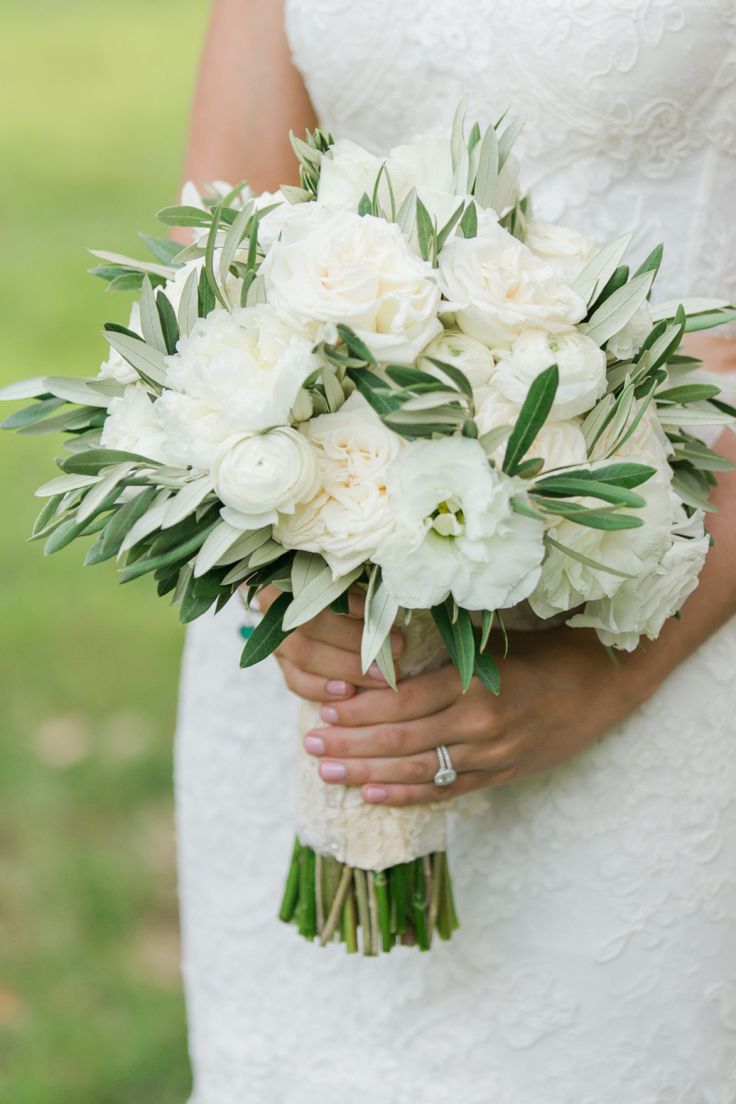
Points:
596	962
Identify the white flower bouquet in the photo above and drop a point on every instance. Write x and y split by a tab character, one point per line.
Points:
391	377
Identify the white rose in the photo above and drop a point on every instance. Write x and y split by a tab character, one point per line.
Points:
498	288
132	425
349	518
361	272
640	607
347	172
566	582
627	342
473	358
456	530
581	364
276	224
560	444
264	474
566	250
116	366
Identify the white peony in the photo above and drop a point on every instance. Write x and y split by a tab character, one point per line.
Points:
261	475
560	443
627	342
132	425
454	347
566	250
116	366
349	517
640	607
499	289
581	364
456	531
358	271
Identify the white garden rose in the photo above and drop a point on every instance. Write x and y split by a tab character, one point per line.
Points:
581	364
261	475
566	583
347	171
274	224
349	518
132	425
116	366
560	443
472	357
359	271
499	289
640	607
629	340
456	531
566	250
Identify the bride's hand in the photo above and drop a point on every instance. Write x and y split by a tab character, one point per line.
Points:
560	692
321	660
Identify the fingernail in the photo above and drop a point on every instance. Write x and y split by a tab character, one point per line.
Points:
332	772
338	688
397	644
327	713
375	793
314	745
374	671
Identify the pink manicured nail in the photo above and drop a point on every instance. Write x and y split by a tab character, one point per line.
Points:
374	671
314	745
338	688
332	772
375	793
327	713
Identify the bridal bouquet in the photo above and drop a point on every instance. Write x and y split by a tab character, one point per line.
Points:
391	378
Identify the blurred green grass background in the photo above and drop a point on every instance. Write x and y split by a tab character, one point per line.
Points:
91	1012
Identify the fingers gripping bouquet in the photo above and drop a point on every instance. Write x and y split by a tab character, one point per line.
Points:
394	378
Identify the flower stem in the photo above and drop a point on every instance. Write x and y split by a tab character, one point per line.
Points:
419	902
334	913
384	909
291	890
364	918
349	921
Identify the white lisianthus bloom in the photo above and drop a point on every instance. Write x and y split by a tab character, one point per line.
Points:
261	475
560	443
132	425
566	583
472	357
629	340
116	366
358	271
349	518
456	531
581	364
640	607
566	250
234	373
498	288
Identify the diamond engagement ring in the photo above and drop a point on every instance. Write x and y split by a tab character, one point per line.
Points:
446	774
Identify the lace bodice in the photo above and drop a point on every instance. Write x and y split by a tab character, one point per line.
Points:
629	106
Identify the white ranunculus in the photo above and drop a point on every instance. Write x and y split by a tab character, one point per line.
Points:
116	366
581	364
456	531
627	342
499	289
566	250
349	518
361	272
560	443
566	583
640	607
261	475
472	357
132	425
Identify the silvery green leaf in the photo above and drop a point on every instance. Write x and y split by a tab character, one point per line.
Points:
146	360
691	491
151	328
189	253
597	419
493	440
506	186
430	400
694	415
293	194
232	241
385	661
106	484
449	226
693	305
618	309
219	541
507	140
148	523
487	175
460	177
333	391
182	215
64	483
246	544
379	615
269	551
241	571
708	320
598	271
188	312
256	292
620	415
182	583
167	271
407	212
76	391
186	501
457	135
305	567
319	592
23	389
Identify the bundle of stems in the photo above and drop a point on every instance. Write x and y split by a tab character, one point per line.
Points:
405	904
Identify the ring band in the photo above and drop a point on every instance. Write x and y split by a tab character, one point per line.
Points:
446	773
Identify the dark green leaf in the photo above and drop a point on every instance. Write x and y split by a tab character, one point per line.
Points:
652	262
268	633
163	249
169	325
532	417
205	296
93	460
567	486
425	230
462	631
469	221
459	378
182	215
487	672
357	347
34	413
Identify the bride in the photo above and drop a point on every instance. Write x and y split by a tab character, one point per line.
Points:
596	963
